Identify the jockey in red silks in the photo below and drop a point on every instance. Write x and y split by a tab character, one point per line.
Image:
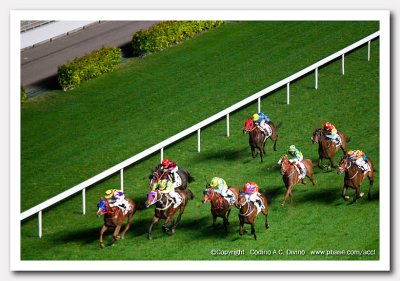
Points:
170	167
330	132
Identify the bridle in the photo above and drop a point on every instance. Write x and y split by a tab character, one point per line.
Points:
249	208
348	165
211	193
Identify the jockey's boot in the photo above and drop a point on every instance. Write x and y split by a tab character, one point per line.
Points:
177	201
260	203
230	198
172	175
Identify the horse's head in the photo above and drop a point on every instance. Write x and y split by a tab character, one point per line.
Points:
248	126
153	179
241	200
152	198
284	163
316	136
208	194
101	207
343	165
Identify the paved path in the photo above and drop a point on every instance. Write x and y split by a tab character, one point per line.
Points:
39	64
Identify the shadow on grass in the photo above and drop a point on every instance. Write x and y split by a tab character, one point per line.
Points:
227	154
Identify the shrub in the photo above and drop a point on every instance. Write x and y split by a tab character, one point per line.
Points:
23	94
95	64
166	34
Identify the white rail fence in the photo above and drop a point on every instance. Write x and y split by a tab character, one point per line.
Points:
224	113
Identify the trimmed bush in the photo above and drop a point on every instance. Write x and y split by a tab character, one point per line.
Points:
95	64
23	94
166	34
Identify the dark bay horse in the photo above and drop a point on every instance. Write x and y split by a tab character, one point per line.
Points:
327	148
353	177
219	206
291	175
257	137
114	217
248	213
165	208
182	183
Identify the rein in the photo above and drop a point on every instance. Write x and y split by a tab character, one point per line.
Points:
169	203
347	168
219	204
249	210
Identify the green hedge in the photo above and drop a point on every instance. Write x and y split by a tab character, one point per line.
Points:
166	34
98	62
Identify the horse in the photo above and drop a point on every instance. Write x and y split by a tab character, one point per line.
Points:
353	178
182	182
114	217
257	137
248	213
291	175
327	148
219	206
165	210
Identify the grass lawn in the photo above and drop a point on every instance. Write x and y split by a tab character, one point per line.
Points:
69	137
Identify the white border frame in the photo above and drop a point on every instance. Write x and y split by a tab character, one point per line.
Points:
383	264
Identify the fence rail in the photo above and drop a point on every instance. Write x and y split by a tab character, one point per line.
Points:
196	128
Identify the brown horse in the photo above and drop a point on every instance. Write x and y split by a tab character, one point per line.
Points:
248	213
257	137
354	176
219	206
114	217
327	148
291	175
165	209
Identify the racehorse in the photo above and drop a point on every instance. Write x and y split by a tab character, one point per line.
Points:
159	173
326	147
258	137
165	210
291	175
114	217
353	176
219	206
248	213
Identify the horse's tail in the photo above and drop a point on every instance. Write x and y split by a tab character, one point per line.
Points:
190	177
189	193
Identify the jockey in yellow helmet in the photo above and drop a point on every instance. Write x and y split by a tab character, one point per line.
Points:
262	120
360	159
116	197
221	188
167	187
296	157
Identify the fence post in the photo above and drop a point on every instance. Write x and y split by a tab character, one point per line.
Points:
84	201
162	154
316	78
287	93
198	140
369	50
227	125
40	223
342	64
122	178
259	105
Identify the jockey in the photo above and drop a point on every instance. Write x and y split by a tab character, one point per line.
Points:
166	187
171	167
295	157
222	189
252	194
360	159
331	132
262	120
116	197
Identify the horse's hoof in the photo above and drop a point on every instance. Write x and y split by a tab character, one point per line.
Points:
267	225
346	197
361	194
102	245
149	237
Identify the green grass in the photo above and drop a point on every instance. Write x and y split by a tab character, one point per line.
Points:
69	137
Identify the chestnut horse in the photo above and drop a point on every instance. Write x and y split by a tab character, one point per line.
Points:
219	206
327	148
353	176
291	175
257	137
159	173
165	209
114	217
248	213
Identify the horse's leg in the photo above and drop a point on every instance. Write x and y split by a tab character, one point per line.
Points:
286	195
265	213
344	193
371	183
240	226
274	138
102	230
225	223
261	154
178	219
155	220
253	230
291	197
214	220
358	194
128	225
253	151
115	234
227	216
